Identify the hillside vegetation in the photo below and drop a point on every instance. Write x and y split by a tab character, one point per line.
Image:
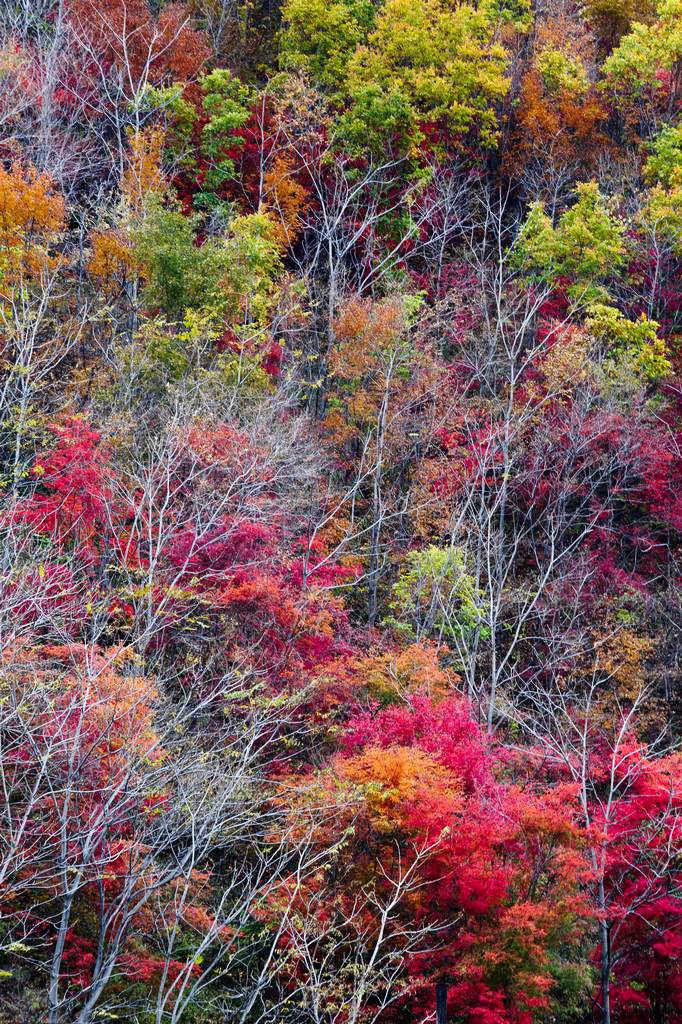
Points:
340	511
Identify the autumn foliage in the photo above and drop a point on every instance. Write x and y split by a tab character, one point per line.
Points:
340	512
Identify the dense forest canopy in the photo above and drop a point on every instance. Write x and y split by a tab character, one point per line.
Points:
340	511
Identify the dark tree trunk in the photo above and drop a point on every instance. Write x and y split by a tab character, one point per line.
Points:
441	1003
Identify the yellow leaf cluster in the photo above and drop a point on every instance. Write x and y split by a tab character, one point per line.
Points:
144	171
622	657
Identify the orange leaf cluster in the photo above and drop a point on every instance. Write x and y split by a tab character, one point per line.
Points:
285	201
32	215
146	49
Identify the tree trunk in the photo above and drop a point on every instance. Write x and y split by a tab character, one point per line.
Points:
441	1003
605	973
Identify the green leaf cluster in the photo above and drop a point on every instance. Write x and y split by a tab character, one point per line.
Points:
226	104
633	68
320	37
436	595
664	165
662	211
631	343
179	274
586	246
561	73
395	68
231	276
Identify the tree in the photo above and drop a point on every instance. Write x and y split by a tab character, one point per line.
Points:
630	802
110	840
32	216
586	247
321	38
649	55
416	796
